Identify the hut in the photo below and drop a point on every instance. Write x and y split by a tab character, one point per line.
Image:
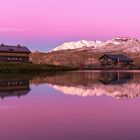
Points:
9	53
115	60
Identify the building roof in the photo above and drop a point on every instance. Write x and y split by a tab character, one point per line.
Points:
16	49
119	57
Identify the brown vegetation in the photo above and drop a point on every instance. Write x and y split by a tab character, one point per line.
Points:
79	59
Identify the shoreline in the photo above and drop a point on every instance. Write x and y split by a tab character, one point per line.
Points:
31	68
45	68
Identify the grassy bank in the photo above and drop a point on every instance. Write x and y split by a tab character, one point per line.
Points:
43	68
30	68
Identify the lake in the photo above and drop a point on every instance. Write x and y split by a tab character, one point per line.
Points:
84	105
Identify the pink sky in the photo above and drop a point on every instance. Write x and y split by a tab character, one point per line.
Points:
44	24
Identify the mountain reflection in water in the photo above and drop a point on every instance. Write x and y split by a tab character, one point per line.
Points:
115	84
53	107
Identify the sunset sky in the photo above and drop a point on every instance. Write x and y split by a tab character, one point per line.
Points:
45	24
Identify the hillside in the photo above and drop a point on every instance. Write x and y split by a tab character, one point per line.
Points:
87	53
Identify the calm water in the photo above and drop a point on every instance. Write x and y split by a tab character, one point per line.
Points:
70	106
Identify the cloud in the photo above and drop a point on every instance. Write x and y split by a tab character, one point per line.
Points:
11	30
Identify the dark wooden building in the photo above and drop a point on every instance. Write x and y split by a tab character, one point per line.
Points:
17	53
115	60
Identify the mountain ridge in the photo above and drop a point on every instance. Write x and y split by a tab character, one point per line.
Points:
87	53
132	44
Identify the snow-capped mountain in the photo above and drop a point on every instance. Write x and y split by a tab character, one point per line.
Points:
78	44
77	53
126	44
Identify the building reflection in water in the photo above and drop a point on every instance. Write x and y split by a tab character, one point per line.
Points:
115	84
115	77
14	87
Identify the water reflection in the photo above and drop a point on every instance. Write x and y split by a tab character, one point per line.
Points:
114	84
115	77
118	85
45	116
14	87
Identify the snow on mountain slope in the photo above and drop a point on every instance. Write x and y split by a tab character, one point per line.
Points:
126	44
78	45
